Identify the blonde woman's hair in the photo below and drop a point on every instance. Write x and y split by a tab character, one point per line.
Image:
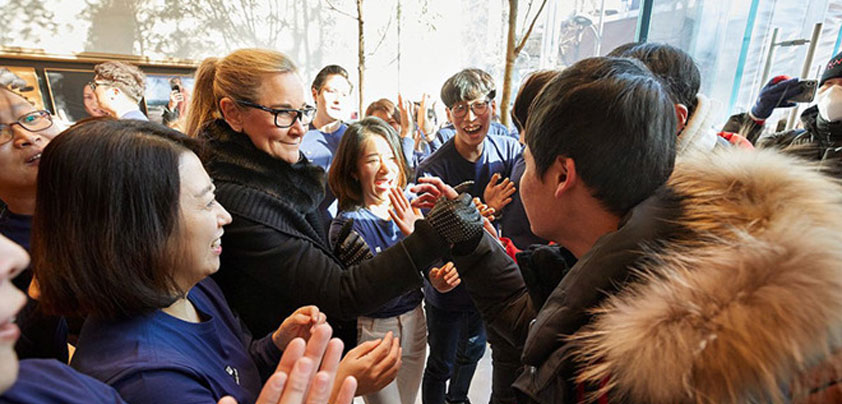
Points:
237	76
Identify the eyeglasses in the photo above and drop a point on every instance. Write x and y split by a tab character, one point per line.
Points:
94	83
34	122
479	107
285	117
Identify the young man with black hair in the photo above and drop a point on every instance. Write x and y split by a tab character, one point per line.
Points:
714	279
456	335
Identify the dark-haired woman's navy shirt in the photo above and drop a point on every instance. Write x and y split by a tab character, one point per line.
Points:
42	336
50	381
379	234
157	358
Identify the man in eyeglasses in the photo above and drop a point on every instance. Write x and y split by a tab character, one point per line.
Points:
24	133
456	335
119	88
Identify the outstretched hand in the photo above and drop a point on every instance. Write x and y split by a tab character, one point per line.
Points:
402	212
498	193
429	189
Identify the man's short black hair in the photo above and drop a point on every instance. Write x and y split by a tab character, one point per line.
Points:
468	84
674	67
328	71
617	123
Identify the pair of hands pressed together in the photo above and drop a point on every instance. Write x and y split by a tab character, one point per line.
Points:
310	370
307	372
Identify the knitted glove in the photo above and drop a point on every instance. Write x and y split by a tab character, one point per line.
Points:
775	94
349	247
456	220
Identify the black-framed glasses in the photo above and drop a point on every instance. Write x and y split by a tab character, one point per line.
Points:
479	107
35	121
94	83
285	117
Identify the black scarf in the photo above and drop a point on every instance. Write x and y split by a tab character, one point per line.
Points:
298	188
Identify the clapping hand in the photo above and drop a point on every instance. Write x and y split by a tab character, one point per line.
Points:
498	195
405	108
373	363
402	212
299	324
446	278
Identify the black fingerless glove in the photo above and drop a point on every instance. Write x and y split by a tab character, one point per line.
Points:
349	247
457	220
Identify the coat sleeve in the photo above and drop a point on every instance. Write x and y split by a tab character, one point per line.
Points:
299	272
496	286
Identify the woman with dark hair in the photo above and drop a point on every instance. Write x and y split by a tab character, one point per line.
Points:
368	177
251	106
126	232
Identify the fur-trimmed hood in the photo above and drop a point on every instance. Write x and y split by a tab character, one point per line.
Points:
747	298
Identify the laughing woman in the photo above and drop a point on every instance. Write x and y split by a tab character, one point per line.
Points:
367	171
126	232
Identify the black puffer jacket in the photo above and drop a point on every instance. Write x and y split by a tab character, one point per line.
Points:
275	257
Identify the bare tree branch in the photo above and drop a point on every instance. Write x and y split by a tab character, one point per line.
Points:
523	38
382	37
332	7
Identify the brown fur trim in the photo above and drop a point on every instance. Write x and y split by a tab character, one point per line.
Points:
744	305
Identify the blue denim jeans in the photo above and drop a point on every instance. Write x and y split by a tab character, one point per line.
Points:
457	342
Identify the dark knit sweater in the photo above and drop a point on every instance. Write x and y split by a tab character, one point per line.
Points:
275	257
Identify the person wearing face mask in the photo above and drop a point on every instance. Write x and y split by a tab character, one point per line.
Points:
820	139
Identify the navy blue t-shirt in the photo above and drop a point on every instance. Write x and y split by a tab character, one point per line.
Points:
379	234
498	156
514	223
42	335
319	148
18	228
50	381
157	358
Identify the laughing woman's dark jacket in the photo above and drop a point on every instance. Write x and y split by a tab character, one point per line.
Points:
275	256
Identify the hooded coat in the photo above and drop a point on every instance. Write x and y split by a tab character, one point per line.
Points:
723	287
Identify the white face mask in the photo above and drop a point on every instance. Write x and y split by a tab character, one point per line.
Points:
829	101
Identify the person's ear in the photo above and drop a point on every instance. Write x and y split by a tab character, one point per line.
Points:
232	113
564	174
449	117
315	95
681	113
